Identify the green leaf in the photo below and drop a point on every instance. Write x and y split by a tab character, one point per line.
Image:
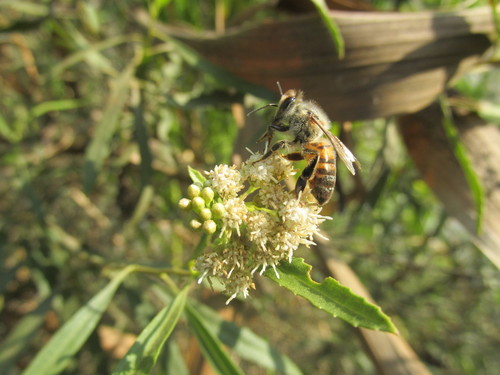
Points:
57	105
12	135
174	362
143	355
57	353
210	345
489	111
242	340
330	296
31	8
332	27
196	176
100	147
246	343
19	339
83	54
464	161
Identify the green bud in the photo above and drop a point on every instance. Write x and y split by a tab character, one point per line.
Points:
205	214
207	183
207	194
198	203
185	204
193	191
218	210
209	226
195	224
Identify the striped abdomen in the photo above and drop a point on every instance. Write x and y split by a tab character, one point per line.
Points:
322	182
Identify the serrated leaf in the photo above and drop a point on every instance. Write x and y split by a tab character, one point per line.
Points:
210	345
143	355
196	176
330	296
57	353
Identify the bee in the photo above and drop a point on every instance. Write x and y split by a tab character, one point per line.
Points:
308	125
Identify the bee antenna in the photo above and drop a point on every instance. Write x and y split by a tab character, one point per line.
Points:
264	106
279	86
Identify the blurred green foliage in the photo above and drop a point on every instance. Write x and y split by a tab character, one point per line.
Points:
98	123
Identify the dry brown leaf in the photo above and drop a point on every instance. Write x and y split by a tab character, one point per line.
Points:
395	62
430	150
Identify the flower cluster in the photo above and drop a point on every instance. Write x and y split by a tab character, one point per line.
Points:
255	221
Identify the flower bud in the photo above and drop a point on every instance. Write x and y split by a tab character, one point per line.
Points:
185	204
195	224
209	226
205	214
218	210
198	203
207	194
193	191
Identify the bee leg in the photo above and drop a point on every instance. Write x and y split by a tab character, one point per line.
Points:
278	145
267	136
294	156
307	174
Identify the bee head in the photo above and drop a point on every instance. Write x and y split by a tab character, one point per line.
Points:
287	107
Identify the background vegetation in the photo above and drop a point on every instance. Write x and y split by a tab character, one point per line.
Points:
98	123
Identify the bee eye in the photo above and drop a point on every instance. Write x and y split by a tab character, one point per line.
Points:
286	103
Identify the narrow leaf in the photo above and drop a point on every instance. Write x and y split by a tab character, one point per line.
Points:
332	27
210	345
57	105
57	353
82	54
464	161
330	296
246	343
18	341
174	362
100	146
143	355
242	340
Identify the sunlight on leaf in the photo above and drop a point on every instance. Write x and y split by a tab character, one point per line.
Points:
246	343
143	355
196	176
330	296
61	348
210	345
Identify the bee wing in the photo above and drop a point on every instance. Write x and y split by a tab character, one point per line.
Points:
345	154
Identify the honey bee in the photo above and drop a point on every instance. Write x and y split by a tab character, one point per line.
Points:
307	123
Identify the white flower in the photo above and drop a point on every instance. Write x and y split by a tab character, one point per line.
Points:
260	227
276	224
271	170
235	215
225	180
